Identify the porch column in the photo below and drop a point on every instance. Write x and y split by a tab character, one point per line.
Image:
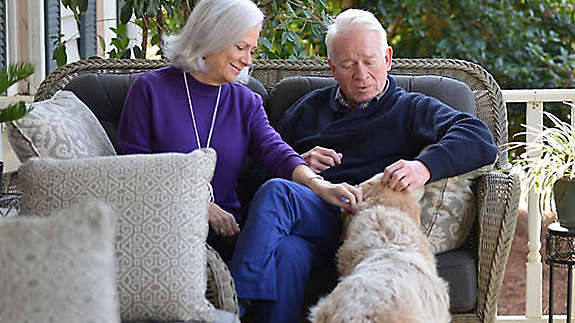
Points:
35	51
534	267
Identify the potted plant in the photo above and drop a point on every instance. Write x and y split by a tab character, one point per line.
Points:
10	75
552	173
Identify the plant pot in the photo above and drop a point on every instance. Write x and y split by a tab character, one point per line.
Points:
564	196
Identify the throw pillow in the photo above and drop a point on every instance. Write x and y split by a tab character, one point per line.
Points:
162	203
61	268
447	210
60	127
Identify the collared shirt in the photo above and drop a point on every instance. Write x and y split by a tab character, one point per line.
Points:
341	99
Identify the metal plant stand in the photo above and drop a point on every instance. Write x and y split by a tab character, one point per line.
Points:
560	252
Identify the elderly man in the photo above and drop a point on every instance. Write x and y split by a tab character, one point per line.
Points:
349	132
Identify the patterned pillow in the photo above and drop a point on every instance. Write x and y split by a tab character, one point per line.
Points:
447	210
60	127
162	203
61	268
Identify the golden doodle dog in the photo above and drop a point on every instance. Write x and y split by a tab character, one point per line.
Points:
388	272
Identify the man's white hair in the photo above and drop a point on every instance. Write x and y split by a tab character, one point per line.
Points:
213	26
352	20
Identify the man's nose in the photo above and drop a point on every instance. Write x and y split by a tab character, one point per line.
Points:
361	72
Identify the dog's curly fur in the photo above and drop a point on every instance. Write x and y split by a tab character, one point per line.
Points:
388	272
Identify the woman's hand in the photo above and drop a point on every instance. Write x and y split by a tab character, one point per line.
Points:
222	222
342	195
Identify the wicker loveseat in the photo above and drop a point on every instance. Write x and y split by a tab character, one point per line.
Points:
495	194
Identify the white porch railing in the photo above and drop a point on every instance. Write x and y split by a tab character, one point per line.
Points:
534	100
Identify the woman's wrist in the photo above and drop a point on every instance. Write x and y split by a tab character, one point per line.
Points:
310	179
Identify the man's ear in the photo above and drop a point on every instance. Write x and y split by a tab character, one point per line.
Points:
388	56
332	66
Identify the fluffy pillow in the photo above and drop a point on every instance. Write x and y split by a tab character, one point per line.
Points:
162	203
447	210
60	268
60	127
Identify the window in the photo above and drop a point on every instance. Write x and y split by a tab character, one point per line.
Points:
51	28
87	44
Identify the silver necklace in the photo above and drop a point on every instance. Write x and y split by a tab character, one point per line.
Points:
194	118
210	188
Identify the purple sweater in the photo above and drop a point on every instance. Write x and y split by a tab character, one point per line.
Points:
156	118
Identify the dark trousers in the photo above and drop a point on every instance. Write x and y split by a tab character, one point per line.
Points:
289	232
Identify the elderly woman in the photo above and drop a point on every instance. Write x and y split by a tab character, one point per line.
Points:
195	103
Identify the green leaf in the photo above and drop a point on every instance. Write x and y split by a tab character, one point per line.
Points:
153	8
102	43
14	112
13	74
265	42
137	52
139	8
60	55
126	54
125	14
168	6
83	5
113	54
294	38
155	40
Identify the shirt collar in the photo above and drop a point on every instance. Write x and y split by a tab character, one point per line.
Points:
341	99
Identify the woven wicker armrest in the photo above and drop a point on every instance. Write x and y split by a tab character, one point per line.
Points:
498	201
221	291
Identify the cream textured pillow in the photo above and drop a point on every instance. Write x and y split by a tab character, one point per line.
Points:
60	268
447	210
60	127
162	203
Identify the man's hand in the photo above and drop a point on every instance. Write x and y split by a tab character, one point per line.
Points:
405	175
320	159
222	222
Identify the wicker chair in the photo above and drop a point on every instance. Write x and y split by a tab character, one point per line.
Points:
497	193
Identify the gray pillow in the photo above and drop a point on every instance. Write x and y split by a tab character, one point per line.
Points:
59	268
60	127
162	203
448	211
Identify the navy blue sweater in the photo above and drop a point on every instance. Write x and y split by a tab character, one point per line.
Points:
398	126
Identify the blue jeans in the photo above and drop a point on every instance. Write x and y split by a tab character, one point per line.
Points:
289	232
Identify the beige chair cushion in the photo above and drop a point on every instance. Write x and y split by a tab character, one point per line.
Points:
162	203
60	127
59	268
448	210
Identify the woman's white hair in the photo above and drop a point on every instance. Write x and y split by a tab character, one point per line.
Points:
352	20
213	26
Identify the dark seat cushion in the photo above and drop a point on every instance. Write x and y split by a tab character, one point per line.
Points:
459	268
450	91
105	94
